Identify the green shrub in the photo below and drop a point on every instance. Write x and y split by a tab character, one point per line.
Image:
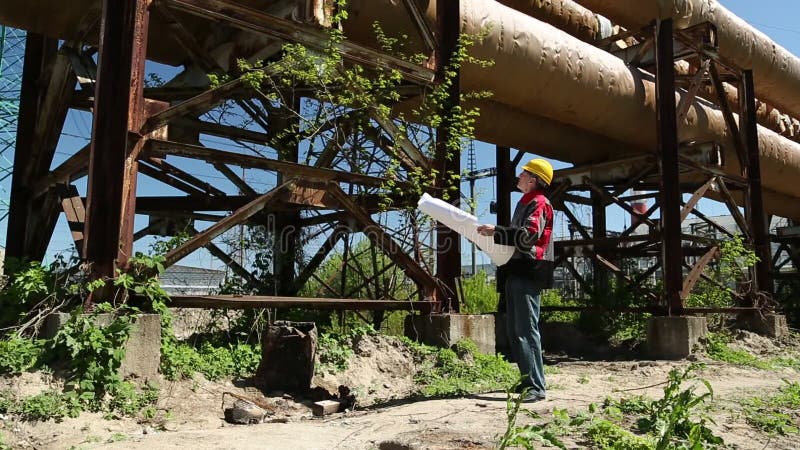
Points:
480	295
18	354
214	362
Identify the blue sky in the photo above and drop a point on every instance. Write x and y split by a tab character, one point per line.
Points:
776	18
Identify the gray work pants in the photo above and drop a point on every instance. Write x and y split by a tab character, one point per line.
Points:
523	298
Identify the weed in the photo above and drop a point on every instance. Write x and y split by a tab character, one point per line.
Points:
777	414
18	354
526	435
583	379
3	445
117	437
129	401
479	294
335	347
607	435
551	370
49	404
717	348
461	370
214	362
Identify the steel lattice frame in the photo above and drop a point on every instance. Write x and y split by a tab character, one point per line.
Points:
12	51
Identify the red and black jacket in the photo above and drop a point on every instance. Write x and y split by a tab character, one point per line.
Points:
531	232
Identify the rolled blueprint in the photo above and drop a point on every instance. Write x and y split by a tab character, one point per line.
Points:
466	225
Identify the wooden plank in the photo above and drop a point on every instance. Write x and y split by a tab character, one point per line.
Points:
253	301
72	205
239	216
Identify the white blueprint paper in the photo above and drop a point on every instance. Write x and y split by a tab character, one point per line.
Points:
466	225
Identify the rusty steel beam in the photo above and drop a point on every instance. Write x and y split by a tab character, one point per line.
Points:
667	132
730	121
39	50
694	274
237	181
421	24
338	232
185	177
250	19
448	242
118	105
43	109
378	236
194	106
253	302
755	202
223	131
73	168
152	172
239	216
160	147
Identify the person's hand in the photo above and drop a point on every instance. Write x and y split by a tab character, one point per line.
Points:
486	230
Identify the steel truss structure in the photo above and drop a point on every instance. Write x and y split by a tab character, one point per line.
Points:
326	186
12	50
674	169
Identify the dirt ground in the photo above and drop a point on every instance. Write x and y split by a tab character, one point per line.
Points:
381	376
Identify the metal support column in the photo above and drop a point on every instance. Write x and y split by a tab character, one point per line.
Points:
755	214
505	185
118	111
600	278
39	51
667	134
448	261
286	225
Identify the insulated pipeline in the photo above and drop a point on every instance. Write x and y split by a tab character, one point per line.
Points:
776	71
540	70
569	16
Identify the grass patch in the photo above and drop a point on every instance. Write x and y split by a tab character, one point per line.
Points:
717	348
777	414
461	370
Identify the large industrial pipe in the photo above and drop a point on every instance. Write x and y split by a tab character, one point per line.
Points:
543	71
569	16
776	70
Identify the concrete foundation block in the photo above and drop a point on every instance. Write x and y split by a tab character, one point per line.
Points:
142	350
444	330
674	337
772	325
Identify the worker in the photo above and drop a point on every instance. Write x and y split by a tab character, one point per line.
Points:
528	272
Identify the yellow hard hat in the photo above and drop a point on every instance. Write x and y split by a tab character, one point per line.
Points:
541	168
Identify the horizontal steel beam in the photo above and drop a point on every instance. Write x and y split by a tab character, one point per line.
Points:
250	302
